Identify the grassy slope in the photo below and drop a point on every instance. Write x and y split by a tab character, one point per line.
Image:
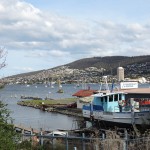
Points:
49	102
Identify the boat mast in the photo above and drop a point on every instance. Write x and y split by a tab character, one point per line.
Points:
106	84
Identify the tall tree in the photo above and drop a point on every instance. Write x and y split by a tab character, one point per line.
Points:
7	132
8	136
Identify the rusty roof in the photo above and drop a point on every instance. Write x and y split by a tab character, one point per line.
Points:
84	93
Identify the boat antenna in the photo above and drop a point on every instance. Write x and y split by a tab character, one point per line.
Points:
106	84
100	87
112	86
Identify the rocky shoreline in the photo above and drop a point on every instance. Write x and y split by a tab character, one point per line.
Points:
56	108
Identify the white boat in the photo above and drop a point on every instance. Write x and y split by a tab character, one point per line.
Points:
60	90
104	110
52	84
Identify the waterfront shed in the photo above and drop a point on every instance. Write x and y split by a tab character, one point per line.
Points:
84	97
137	93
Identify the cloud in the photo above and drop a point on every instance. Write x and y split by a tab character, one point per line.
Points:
48	36
45	53
58	53
28	28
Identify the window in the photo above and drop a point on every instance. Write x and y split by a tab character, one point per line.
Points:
105	99
111	98
116	97
120	96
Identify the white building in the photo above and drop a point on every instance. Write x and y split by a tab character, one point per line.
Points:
84	101
120	74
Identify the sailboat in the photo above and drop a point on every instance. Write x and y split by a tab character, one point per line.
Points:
52	84
78	84
60	90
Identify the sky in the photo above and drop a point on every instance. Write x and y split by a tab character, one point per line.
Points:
42	34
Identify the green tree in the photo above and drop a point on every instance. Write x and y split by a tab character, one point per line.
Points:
8	136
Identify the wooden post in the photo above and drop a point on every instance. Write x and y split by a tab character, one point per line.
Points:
103	138
31	133
96	147
22	132
67	141
83	143
53	141
125	140
41	138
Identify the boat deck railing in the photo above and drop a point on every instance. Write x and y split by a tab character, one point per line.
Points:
135	108
124	109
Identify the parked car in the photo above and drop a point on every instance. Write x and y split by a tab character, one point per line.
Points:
57	133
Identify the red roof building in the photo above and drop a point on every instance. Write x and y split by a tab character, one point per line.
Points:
84	93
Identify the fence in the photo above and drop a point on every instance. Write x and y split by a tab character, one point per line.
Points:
88	143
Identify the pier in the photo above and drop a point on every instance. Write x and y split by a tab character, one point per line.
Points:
24	130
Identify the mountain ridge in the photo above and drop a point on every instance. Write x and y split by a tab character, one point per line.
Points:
109	63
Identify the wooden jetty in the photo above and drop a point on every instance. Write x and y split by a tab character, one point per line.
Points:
25	130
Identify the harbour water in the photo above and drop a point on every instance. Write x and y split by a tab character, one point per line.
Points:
35	118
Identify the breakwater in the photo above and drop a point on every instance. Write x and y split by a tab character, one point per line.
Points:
55	108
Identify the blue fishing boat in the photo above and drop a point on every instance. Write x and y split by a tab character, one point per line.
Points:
110	108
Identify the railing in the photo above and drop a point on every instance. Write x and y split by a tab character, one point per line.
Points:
136	108
90	143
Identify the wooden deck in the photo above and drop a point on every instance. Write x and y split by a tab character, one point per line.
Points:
24	129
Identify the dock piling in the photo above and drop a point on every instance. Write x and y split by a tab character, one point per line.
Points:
41	138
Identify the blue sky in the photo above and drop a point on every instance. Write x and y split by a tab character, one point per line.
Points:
41	34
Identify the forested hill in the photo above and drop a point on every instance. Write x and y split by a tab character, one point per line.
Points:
108	62
133	65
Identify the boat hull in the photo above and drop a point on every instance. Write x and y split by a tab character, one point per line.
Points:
121	119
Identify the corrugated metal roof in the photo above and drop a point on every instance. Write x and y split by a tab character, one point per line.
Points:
86	93
137	91
132	91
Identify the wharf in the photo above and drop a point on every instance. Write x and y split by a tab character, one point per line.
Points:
25	130
56	108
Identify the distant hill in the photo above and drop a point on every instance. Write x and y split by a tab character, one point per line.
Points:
110	63
26	74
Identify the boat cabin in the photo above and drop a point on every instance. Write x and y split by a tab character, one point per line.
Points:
108	101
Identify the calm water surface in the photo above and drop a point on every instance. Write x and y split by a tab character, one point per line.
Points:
36	118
